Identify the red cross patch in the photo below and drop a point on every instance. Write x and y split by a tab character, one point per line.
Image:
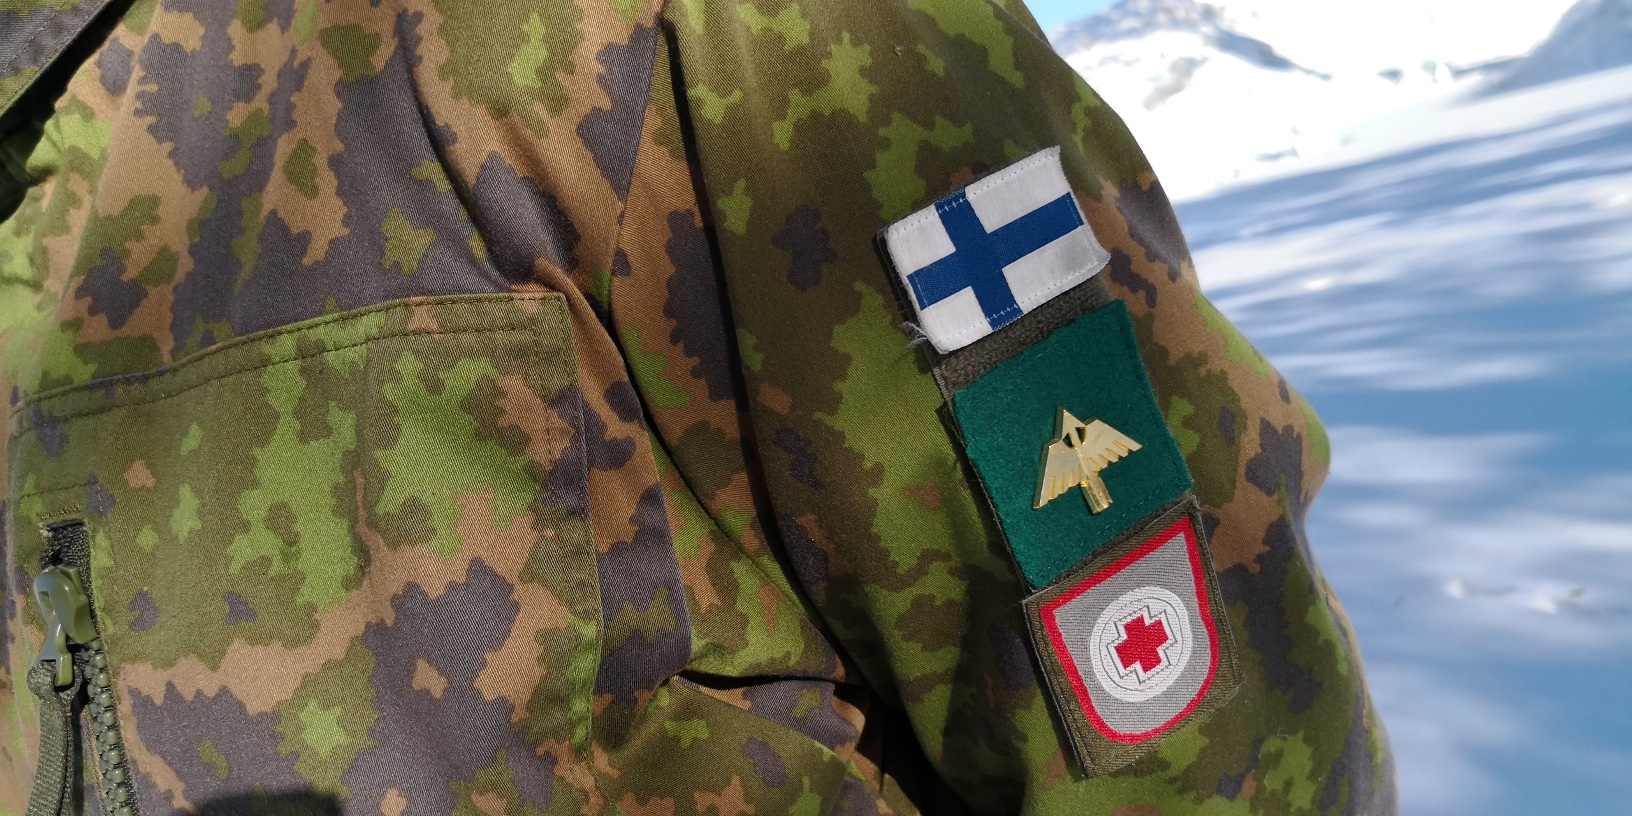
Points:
1135	641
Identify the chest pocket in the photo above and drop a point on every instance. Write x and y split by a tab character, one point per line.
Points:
348	555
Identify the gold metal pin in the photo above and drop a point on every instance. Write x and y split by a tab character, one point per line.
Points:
1076	456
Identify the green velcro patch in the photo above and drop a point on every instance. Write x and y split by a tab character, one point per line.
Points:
1088	378
1135	642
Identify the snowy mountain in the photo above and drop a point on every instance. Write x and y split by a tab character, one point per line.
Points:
1228	89
1137	19
1593	36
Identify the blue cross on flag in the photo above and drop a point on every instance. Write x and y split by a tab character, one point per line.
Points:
978	259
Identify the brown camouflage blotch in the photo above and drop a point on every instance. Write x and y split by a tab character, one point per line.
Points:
728	802
655	806
393	803
428	679
138	476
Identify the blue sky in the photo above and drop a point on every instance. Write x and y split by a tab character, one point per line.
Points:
1051	13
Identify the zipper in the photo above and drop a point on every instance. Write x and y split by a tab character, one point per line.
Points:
71	675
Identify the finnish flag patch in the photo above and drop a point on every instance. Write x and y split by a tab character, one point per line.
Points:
980	258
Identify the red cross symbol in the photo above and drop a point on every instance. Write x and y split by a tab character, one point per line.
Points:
1141	643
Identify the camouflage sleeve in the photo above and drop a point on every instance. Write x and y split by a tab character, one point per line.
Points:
479	407
826	524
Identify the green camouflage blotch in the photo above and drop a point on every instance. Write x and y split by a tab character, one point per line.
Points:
1236	346
846	90
600	288
139	17
206	208
1322	620
405	244
736	208
1292	774
648	623
257	126
627	10
500	59
1178	410
530	57
932	61
252	13
696	12
352	48
495	782
305	24
694	524
76	140
296	472
161	270
116	232
184	518
651	372
57	361
1086	102
1183	748
194	437
320	728
748	349
789	22
212	758
763	639
344	341
881	397
710	105
246	247
894	178
978	23
438	434
301	169
15	84
431	172
687	731
1320	445
809	803
326	723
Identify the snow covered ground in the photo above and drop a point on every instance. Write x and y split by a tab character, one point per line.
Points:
1453	292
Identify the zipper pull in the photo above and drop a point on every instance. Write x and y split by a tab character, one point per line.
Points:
67	612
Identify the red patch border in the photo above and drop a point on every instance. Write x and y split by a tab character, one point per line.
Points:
1181	527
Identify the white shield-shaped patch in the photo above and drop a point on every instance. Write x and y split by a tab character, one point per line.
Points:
1134	641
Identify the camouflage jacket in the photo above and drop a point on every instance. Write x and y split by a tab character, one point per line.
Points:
503	407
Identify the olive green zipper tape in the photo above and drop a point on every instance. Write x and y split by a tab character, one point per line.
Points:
53	793
72	663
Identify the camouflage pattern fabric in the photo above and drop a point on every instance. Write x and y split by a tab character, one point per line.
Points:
501	407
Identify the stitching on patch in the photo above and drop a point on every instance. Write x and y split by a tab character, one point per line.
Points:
1014	169
922	214
23	428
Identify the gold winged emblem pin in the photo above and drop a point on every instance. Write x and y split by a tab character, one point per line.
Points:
1080	450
